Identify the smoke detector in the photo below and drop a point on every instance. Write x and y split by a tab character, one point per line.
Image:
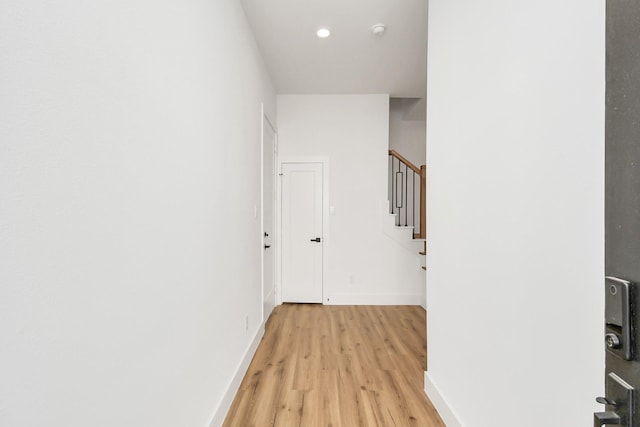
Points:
378	29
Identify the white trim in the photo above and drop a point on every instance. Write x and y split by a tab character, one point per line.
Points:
227	398
324	160
423	300
440	403
265	119
278	236
373	299
262	119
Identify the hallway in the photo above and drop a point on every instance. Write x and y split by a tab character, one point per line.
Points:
337	365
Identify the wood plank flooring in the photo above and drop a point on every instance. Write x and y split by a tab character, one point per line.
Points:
338	366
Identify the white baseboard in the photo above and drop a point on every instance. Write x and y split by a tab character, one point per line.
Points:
227	399
423	301
372	299
440	403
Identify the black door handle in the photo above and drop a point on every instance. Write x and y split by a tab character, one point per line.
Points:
605	418
267	246
317	239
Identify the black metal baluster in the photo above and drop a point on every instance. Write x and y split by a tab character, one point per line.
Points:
396	199
393	188
390	180
413	202
406	195
400	192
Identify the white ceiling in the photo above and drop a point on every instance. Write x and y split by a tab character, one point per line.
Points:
352	59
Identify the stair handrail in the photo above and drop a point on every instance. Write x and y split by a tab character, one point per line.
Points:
404	160
422	173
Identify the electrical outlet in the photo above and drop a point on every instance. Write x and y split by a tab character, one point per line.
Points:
246	323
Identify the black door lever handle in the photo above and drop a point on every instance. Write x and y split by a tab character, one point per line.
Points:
317	239
606	401
605	418
267	246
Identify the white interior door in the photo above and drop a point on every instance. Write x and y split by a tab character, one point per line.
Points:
302	238
268	224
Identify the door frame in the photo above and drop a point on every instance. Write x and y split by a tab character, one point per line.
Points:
265	120
324	160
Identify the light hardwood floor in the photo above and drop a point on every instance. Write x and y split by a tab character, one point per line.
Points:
338	366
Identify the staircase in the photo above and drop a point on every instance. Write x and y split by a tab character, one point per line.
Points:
407	203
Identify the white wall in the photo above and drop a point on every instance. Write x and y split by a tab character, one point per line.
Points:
362	264
515	199
406	133
129	251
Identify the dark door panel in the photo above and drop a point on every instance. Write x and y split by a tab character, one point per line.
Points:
622	215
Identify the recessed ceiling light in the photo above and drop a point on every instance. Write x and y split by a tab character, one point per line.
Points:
323	33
